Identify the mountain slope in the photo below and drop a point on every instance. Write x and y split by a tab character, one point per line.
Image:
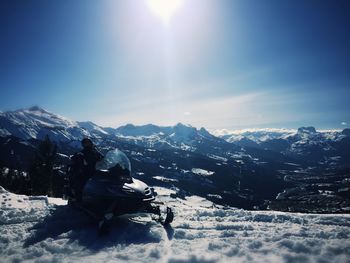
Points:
36	123
319	147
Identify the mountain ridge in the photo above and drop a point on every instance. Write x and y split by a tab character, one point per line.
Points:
241	169
146	129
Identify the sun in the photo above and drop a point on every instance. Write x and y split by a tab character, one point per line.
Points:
164	9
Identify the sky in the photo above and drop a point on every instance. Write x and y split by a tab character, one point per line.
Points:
209	63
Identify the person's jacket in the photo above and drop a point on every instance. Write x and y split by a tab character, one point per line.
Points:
83	162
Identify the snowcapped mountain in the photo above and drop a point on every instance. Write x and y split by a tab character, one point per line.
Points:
254	135
320	146
92	128
144	130
306	142
41	229
247	169
36	123
180	136
262	135
177	133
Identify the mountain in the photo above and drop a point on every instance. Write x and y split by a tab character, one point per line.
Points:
143	130
93	129
307	130
36	123
180	136
255	135
316	170
346	132
273	168
304	144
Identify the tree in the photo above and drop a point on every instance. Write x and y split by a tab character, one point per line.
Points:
41	168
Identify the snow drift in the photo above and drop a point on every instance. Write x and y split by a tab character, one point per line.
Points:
40	229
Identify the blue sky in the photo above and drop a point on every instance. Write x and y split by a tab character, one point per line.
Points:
216	63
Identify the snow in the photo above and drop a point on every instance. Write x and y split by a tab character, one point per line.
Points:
37	230
56	201
165	179
4	133
216	157
202	172
91	127
256	135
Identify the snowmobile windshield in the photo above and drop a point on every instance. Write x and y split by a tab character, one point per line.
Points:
116	162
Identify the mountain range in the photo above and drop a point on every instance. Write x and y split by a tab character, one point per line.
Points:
294	170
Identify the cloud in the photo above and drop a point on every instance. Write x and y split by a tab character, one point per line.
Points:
216	104
201	112
344	123
251	109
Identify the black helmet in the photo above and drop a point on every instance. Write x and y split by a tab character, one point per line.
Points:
86	142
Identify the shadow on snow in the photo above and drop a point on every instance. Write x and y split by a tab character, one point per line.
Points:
68	223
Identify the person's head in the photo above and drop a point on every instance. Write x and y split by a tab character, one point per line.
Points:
87	143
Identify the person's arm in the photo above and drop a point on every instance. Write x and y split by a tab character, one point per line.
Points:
76	164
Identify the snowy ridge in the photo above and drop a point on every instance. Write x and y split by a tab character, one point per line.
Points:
36	123
179	132
306	143
262	135
179	136
201	232
255	135
223	132
92	127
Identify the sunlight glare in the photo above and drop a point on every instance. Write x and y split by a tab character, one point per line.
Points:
164	9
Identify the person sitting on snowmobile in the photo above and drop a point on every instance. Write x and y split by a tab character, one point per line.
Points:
83	167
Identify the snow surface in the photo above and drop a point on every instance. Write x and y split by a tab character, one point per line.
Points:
33	229
203	172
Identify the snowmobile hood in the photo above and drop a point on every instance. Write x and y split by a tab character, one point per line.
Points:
100	186
136	185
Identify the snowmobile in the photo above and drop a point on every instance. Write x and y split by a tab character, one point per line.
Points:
112	191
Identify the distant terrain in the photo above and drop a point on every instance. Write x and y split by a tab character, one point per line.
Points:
303	170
